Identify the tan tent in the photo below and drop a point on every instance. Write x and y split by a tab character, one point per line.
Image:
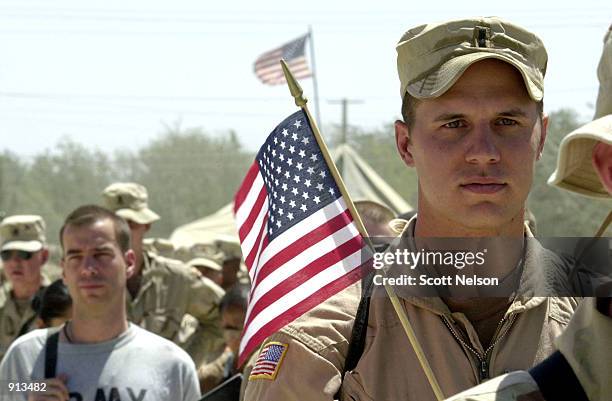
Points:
362	182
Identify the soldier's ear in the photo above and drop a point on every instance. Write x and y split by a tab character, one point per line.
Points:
130	260
45	255
402	141
543	132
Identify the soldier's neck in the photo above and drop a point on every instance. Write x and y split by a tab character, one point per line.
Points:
91	331
24	291
134	282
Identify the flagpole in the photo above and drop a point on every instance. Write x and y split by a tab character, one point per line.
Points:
300	101
315	85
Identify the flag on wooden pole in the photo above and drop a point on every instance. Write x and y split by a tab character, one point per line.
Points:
298	237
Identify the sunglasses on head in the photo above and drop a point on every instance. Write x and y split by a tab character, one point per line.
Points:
23	255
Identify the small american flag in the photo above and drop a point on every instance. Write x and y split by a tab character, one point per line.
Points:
267	66
299	240
269	361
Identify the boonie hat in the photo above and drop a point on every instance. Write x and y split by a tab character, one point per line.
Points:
22	233
129	200
432	57
575	171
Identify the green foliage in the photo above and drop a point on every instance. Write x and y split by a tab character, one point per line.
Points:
188	175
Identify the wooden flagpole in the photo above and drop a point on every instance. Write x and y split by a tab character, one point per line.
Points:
300	101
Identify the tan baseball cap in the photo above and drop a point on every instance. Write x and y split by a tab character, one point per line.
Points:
129	200
431	57
22	233
575	171
230	248
208	251
205	262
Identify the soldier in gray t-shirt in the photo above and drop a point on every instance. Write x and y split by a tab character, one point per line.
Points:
100	356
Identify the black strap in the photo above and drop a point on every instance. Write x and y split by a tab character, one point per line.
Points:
51	355
557	380
26	326
360	327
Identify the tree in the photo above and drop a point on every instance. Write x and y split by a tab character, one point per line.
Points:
189	175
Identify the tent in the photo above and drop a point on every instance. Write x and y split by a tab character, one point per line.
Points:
362	182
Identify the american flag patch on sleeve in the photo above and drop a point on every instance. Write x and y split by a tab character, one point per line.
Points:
269	361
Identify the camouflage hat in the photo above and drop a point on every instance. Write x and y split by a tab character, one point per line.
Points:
129	200
575	171
160	246
204	262
23	233
207	250
230	248
432	57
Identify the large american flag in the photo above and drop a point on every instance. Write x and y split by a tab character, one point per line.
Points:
267	66
298	238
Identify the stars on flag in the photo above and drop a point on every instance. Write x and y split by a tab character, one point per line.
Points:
298	172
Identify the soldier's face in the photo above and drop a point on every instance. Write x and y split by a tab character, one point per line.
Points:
23	268
474	149
137	233
94	267
232	322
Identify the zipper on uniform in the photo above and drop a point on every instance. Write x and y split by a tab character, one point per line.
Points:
484	369
482	359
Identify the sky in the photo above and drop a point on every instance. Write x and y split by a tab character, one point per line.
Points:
115	74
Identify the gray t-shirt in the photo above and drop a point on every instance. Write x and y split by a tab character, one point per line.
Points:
136	366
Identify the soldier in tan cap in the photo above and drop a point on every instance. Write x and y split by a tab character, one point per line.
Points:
473	128
162	291
24	252
232	262
582	367
209	268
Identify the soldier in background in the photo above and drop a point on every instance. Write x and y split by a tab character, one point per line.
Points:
233	312
162	291
209	268
53	305
234	269
24	252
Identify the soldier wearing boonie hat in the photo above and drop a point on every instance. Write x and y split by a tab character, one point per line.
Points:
162	290
207	259
470	88
24	252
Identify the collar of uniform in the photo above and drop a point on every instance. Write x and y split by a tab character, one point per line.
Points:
146	262
532	278
586	344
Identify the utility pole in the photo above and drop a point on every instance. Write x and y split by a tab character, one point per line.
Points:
345	102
